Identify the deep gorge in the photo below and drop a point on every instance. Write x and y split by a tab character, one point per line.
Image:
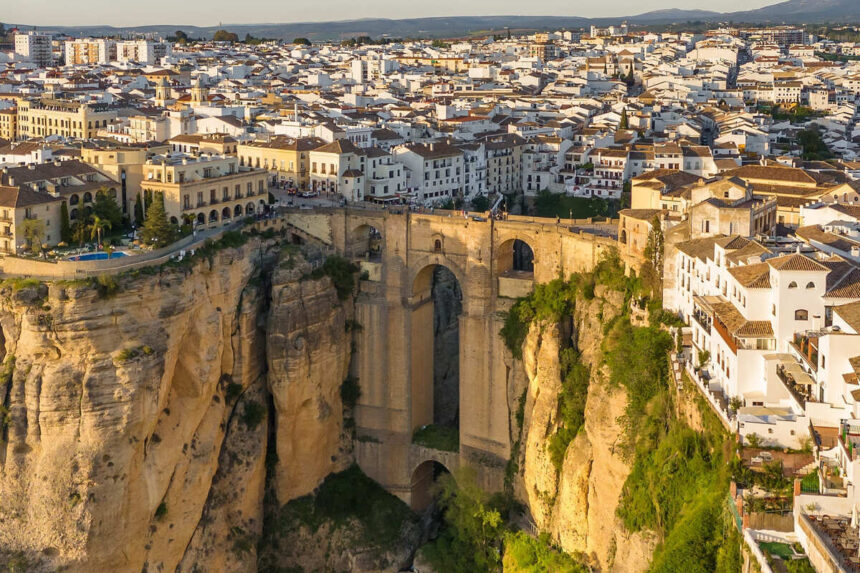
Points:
198	417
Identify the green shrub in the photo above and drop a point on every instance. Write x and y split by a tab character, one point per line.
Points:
127	354
253	414
234	390
106	286
571	404
231	239
161	510
342	275
524	553
347	496
516	327
638	361
20	283
799	566
437	437
350	391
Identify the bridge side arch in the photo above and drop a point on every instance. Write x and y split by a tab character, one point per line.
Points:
364	239
420	273
422	485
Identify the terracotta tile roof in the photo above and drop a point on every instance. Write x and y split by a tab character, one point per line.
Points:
750	250
796	262
739	326
847	287
23	196
777	174
641	214
817	234
752	276
850	313
755	329
733	242
339	146
701	249
44	171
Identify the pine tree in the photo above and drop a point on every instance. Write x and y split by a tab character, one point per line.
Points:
157	230
106	208
65	224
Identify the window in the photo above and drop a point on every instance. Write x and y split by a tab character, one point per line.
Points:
810	285
801	314
792	284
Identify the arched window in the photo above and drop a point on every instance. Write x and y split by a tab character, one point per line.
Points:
437	245
801	314
88	197
74	199
810	284
792	284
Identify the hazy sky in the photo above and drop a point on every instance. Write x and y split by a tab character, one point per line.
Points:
211	12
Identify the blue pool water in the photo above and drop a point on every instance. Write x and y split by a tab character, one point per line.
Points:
96	256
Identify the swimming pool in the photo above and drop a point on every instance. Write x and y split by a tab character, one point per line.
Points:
96	256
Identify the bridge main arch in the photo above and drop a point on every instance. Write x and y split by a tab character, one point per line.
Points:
436	305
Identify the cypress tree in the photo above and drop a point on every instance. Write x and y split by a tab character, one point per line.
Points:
65	224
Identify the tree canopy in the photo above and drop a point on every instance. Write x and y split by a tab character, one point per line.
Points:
157	230
225	36
106	208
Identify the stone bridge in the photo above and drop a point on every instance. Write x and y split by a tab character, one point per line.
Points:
394	348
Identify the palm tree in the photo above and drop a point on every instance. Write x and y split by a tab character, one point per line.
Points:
96	227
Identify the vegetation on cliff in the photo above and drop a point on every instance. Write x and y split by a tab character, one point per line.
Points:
679	483
348	505
478	534
555	302
341	272
680	476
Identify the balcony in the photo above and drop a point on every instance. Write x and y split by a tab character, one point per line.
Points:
806	348
703	319
798	383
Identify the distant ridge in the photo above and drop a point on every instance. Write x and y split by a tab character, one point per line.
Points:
790	12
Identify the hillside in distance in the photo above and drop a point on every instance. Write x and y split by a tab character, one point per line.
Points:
789	12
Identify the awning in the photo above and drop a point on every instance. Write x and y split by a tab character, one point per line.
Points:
794	370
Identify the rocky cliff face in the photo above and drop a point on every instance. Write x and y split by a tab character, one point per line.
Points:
135	423
577	504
